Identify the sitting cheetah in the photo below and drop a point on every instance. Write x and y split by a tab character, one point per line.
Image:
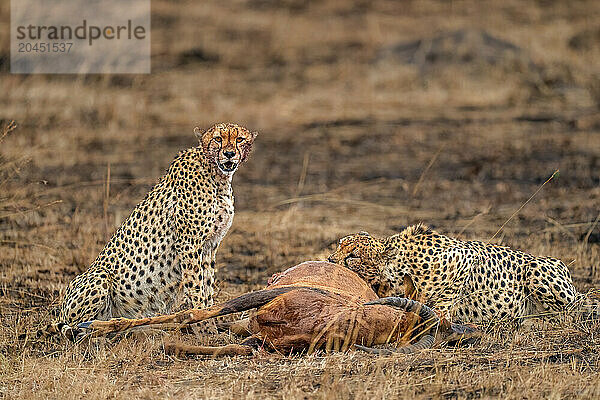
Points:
466	281
169	240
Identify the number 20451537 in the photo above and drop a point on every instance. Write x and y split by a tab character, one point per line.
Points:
44	47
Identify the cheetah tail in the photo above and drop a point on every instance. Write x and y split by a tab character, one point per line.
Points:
244	302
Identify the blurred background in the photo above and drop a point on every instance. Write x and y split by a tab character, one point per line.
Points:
372	115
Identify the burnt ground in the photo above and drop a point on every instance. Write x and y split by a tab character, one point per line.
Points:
372	116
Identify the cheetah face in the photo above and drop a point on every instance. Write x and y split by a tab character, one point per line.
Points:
362	254
226	145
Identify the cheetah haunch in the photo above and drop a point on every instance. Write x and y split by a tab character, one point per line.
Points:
169	241
313	305
467	281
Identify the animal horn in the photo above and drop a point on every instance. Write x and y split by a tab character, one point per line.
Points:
425	342
408	305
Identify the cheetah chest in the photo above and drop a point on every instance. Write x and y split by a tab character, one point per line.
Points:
223	218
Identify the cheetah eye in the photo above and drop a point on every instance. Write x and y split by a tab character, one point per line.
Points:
240	139
218	139
348	258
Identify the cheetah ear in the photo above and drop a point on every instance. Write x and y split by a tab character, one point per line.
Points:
388	249
246	146
364	233
199	133
204	138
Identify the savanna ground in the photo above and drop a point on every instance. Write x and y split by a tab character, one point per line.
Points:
372	116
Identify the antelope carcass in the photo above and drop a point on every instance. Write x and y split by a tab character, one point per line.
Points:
313	305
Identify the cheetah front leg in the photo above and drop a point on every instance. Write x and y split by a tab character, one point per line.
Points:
449	294
551	286
194	227
194	280
207	274
198	284
208	269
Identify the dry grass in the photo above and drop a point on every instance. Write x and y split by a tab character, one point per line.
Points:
350	139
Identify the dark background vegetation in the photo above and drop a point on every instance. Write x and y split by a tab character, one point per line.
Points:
372	115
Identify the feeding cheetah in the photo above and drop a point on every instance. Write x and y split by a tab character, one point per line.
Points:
168	242
467	281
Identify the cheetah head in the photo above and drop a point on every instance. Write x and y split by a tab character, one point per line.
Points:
362	254
226	145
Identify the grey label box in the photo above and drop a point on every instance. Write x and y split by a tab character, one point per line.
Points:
80	36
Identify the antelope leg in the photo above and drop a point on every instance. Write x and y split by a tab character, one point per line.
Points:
121	324
242	303
181	349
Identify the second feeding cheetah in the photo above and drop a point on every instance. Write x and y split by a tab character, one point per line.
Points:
468	281
168	242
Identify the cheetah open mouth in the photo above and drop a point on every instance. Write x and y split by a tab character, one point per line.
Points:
228	166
